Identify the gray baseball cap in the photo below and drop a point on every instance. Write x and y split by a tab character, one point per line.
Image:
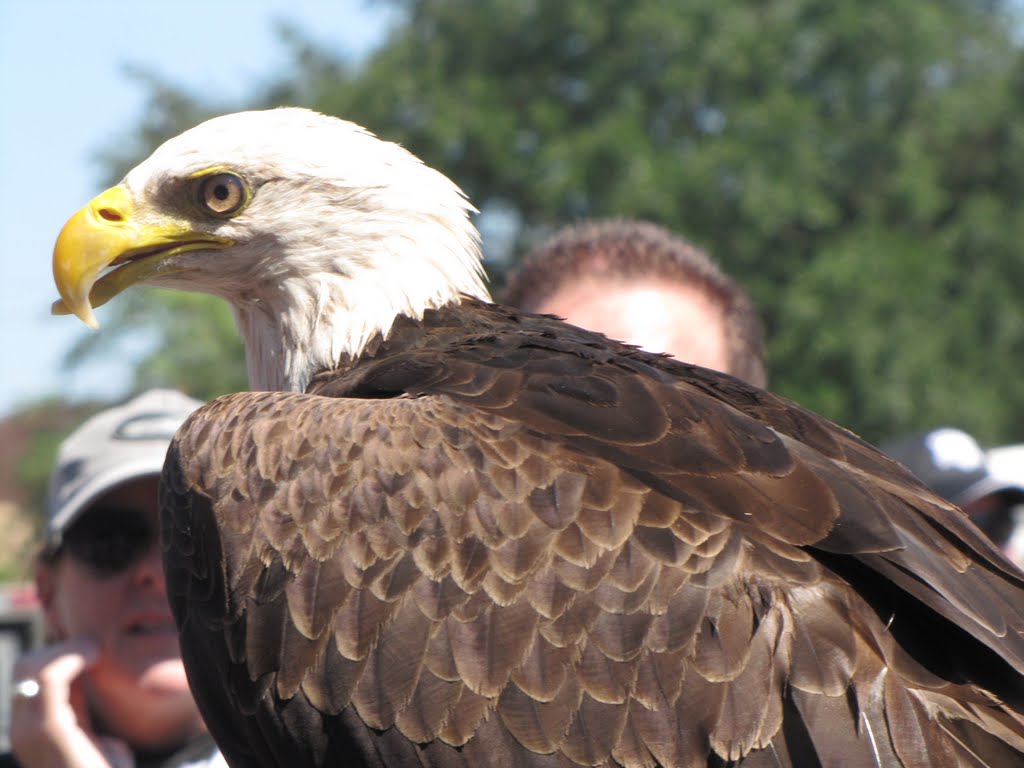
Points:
112	447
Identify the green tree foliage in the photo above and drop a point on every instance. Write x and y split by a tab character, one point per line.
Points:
857	166
195	345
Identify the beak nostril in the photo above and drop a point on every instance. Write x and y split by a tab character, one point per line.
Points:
110	214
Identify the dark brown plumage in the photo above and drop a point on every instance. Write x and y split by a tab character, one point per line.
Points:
497	539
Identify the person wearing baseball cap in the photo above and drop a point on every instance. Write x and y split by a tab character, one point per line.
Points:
952	464
109	688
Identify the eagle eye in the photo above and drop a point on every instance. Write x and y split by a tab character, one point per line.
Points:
222	194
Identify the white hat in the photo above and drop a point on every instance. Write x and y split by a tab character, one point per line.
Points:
112	447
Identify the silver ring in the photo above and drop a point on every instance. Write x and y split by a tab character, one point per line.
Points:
27	688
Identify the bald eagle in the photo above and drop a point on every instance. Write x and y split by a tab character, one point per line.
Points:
447	533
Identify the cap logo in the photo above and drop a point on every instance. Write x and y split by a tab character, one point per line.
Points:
147	426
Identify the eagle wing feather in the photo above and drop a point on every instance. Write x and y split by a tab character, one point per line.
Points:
590	553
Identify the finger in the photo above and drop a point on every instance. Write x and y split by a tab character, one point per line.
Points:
48	729
54	668
59	662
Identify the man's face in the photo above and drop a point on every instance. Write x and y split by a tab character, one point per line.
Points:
656	315
125	609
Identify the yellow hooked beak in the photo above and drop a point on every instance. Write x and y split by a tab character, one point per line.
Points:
108	233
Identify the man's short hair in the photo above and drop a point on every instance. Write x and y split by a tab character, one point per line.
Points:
628	250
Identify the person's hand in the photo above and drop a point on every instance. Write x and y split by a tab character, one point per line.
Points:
51	729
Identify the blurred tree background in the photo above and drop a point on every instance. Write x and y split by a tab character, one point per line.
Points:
858	166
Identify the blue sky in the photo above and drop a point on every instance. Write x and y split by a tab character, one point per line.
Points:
64	96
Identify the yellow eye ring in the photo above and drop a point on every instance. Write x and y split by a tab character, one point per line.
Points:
221	194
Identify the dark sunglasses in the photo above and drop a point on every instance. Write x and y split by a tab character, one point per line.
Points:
108	540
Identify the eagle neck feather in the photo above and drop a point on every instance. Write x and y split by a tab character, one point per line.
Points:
301	324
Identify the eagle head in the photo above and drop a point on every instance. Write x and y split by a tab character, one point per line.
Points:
315	231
